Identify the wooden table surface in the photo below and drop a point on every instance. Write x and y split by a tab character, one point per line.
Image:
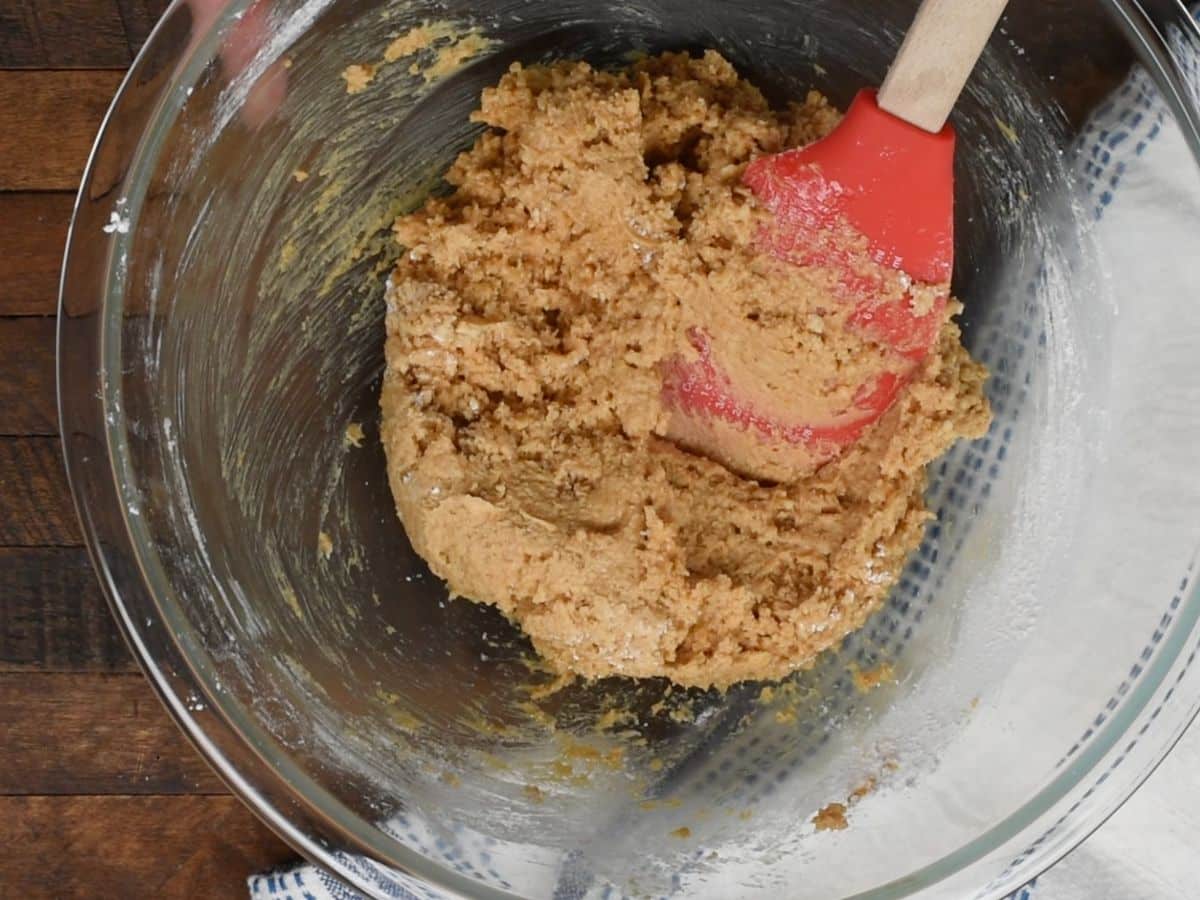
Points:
100	795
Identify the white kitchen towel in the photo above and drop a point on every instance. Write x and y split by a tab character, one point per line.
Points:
1126	156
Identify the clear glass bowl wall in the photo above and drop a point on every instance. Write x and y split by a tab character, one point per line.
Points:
216	346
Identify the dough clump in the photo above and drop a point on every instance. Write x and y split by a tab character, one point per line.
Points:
528	320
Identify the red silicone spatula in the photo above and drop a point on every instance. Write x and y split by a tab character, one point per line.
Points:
884	174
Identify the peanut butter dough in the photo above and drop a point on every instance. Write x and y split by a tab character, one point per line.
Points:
529	320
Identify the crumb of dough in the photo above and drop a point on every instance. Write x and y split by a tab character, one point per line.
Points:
405	720
461	47
324	545
615	718
450	59
867	787
866	680
417	39
682	833
293	602
831	817
300	175
1007	130
527	321
561	680
534	793
357	77
354	435
575	750
287	255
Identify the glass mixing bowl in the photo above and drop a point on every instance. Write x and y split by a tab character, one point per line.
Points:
221	331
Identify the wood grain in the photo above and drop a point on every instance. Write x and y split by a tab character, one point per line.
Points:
27	397
100	794
110	735
139	17
167	848
33	233
48	120
54	617
20	44
65	33
35	501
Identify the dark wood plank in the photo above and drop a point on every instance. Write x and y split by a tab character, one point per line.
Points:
62	34
48	120
35	501
33	233
110	735
69	34
54	617
140	17
27	397
20	41
168	848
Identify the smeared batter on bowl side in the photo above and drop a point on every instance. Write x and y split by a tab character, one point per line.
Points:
528	325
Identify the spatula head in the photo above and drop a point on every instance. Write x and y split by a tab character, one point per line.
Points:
890	181
876	194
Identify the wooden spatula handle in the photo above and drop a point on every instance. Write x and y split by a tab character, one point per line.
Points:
938	53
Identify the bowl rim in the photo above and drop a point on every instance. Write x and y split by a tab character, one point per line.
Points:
312	820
